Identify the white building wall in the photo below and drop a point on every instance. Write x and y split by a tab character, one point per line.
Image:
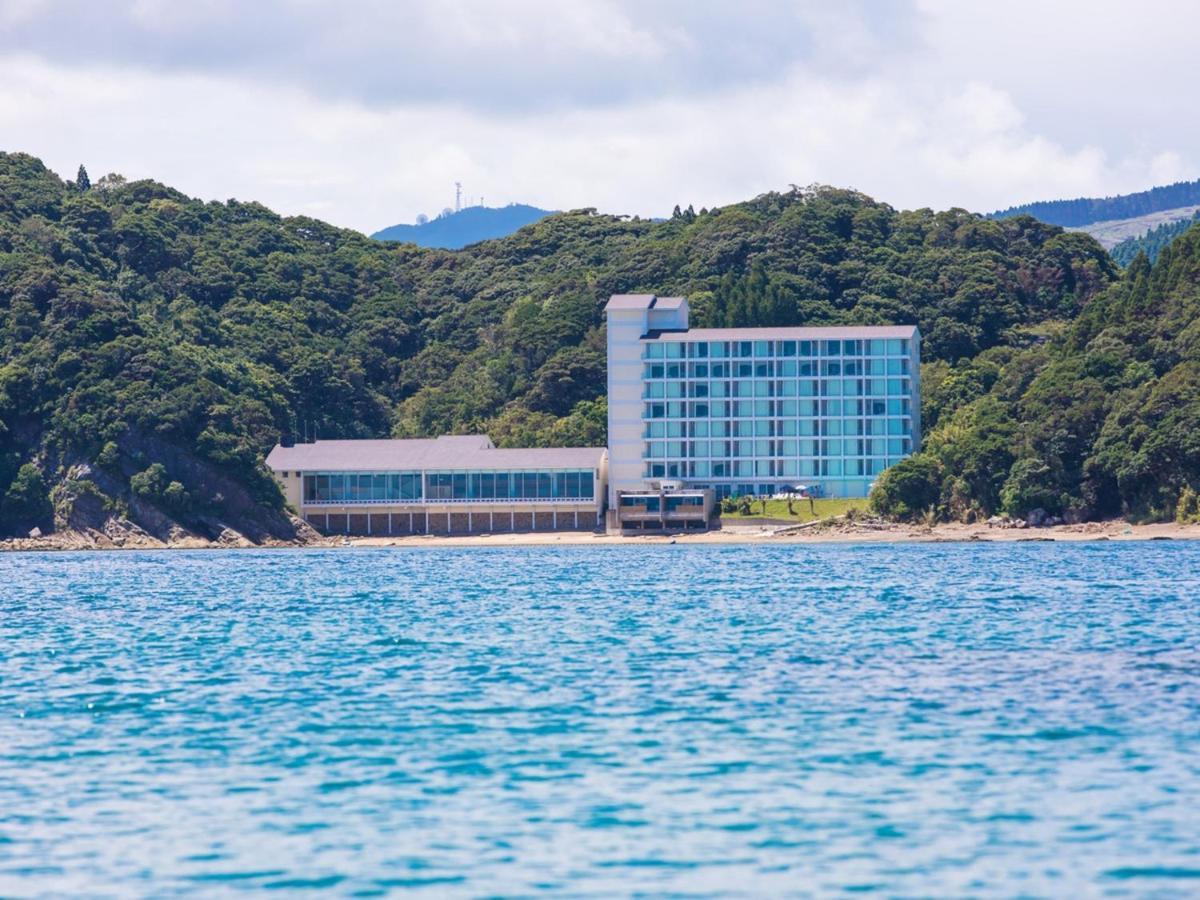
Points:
625	329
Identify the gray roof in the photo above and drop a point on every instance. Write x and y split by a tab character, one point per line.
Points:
642	301
466	451
629	301
803	333
668	302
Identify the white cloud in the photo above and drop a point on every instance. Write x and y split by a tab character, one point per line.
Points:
951	111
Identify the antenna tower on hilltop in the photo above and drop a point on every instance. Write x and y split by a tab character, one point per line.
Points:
458	196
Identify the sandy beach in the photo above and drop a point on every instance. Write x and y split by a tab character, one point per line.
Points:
821	533
824	532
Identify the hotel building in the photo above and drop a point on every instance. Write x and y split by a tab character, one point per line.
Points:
694	415
756	411
455	484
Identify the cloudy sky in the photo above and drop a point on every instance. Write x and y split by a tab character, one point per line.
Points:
365	112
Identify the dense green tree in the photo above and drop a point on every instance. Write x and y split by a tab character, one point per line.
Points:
1102	419
908	489
1031	484
26	503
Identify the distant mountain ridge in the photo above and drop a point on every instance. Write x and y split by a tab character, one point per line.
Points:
455	230
1088	210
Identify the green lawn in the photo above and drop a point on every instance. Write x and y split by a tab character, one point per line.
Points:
778	509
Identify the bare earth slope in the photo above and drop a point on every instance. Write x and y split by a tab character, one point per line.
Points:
1112	232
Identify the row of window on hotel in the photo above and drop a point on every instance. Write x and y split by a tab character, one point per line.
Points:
777	428
762	349
805	387
670	428
351	487
782	368
745	409
786	447
768	468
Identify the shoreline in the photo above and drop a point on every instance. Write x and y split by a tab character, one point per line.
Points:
743	533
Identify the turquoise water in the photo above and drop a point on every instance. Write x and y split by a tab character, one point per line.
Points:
663	721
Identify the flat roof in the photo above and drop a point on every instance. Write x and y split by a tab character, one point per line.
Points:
803	333
629	301
473	452
643	301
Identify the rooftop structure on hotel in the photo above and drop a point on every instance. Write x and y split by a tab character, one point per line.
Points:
455	484
756	411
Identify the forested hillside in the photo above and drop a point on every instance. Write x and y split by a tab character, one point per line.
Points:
153	347
1152	242
1086	210
1102	421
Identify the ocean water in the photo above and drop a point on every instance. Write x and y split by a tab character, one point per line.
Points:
948	720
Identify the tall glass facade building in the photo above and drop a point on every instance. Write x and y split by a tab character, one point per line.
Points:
756	410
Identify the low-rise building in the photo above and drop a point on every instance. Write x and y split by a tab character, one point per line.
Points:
663	506
454	484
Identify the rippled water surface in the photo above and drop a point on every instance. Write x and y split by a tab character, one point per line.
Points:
669	720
